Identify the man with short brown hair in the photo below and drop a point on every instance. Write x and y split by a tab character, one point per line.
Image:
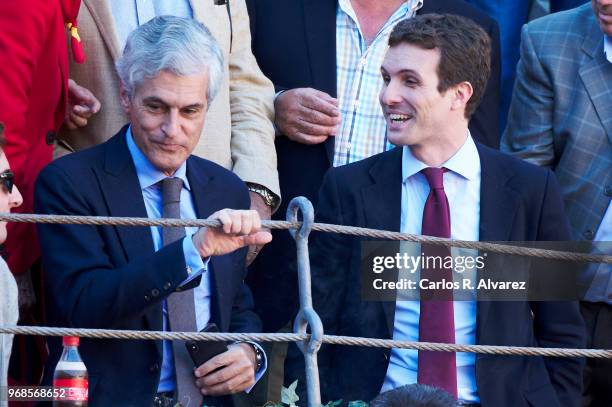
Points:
440	182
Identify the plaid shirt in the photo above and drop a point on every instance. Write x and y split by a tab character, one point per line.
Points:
363	131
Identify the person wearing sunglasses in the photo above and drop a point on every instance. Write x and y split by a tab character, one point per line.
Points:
9	310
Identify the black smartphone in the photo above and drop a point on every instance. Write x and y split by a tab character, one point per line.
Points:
202	351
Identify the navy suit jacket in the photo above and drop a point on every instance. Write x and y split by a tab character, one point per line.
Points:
110	277
518	202
294	42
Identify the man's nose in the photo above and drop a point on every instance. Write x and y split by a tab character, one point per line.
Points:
170	126
389	94
15	198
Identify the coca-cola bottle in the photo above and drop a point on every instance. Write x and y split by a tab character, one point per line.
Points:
70	378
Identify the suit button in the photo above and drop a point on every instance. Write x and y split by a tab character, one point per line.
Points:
167	286
154	368
154	292
608	190
50	138
588	234
147	298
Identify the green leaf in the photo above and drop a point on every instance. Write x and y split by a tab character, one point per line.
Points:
289	396
358	403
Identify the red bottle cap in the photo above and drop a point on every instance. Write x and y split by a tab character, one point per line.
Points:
70	340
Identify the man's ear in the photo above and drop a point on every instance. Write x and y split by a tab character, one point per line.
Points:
462	92
124	98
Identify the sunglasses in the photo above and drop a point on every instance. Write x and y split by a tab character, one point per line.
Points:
6	178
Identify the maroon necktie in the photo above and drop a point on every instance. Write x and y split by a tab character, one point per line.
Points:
436	321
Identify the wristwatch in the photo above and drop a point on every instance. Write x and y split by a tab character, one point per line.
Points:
269	198
259	357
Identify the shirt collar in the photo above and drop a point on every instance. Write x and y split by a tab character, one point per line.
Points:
465	162
147	174
608	48
408	7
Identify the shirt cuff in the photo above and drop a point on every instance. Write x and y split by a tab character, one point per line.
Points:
277	131
196	265
262	369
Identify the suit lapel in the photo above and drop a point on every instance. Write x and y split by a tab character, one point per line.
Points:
382	206
320	34
596	75
122	193
497	200
498	207
121	189
102	15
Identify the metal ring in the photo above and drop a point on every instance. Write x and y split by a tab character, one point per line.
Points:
303	204
308	318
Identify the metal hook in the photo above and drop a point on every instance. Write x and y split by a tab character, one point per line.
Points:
307	317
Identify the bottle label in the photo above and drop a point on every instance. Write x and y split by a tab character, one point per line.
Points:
66	365
75	389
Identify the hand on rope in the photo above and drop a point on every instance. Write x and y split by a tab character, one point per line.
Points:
239	228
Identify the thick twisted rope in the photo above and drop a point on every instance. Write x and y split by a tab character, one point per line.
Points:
291	337
321	227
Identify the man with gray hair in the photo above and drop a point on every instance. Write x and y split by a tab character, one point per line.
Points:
238	133
179	279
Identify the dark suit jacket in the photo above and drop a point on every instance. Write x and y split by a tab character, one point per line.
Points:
110	277
294	43
518	202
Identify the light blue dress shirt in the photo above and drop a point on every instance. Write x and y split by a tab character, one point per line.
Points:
149	177
131	14
462	187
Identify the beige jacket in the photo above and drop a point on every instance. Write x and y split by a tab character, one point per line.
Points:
242	140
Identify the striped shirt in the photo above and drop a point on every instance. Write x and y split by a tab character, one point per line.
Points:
363	131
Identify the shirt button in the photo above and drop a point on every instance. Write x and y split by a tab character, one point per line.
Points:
189	271
167	286
588	234
608	190
50	138
154	292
